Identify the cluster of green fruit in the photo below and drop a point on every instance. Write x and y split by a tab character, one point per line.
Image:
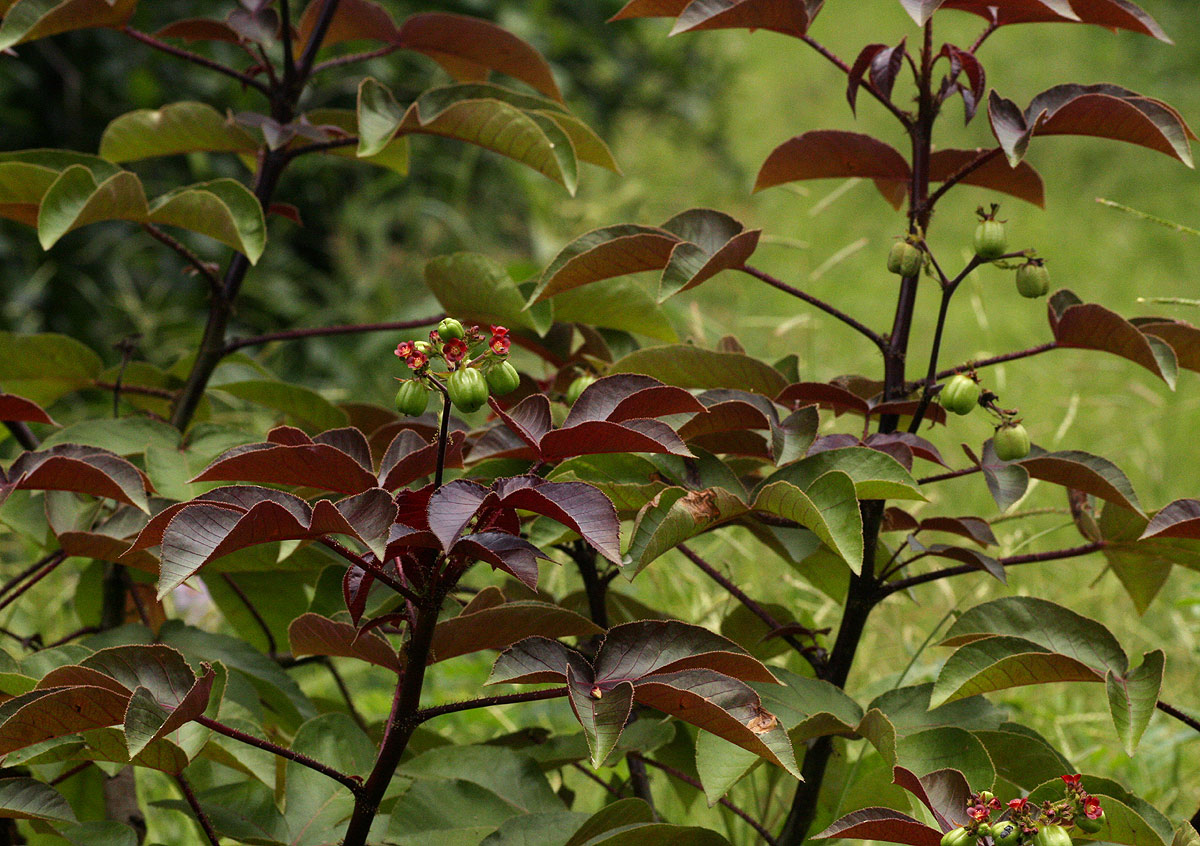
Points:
961	395
991	243
1045	825
475	369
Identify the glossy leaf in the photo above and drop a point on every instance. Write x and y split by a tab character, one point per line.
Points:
290	457
1132	699
491	622
831	154
1111	14
514	555
183	127
29	799
577	506
468	48
77	198
18	409
69	467
828	507
998	663
689	366
1093	327
921	10
28	20
946	793
312	634
882	824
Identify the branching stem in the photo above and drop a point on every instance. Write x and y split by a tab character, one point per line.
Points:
197	59
352	783
864	330
1011	561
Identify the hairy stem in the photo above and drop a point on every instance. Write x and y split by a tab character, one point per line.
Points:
999	359
202	817
370	567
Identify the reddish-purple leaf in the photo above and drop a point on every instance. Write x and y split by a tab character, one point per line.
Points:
604	254
885	67
73	675
944	792
577	506
500	442
180	712
898	520
1180	519
970	557
651	9
200	29
729	416
1009	127
285	461
409	458
784	16
1077	470
602	711
921	10
529	419
635	650
905	408
865	60
727	707
513	555
16	409
917	445
70	467
1021	181
1016	11
1182	337
712	242
971	528
46	714
1089	326
451	508
964	61
597	437
468	48
537	660
627	396
1118	14
882	824
490	622
312	634
354	20
830	154
824	395
356	587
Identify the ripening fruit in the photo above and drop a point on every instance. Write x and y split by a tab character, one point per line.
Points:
1089	825
990	240
577	387
984	830
1011	442
1006	834
503	378
468	389
960	395
1033	279
904	259
412	398
1052	835
958	837
450	328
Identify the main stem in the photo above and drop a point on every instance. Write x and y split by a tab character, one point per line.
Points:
861	597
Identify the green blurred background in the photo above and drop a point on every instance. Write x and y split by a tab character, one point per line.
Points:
690	119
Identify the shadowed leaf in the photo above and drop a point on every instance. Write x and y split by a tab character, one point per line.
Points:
183	127
312	634
28	20
483	625
301	462
1083	471
1132	699
47	714
602	713
29	799
828	507
636	650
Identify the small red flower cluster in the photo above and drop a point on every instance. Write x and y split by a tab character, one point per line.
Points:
499	343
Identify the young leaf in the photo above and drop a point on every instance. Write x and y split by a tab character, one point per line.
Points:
921	10
29	20
1133	698
77	198
70	467
290	457
468	48
882	824
783	16
379	116
183	127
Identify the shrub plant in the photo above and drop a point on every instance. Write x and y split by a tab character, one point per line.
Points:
355	537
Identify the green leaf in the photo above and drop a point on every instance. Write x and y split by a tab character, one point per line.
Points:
393	157
998	663
1128	819
602	716
223	209
452	812
175	128
1132	699
615	304
536	829
476	289
245	812
45	367
876	474
305	405
829	508
687	366
317	806
100	833
1185	835
1142	566
379	116
946	747
28	20
77	199
621	814
128	436
662	834
1022	756
29	799
630	481
674	516
508	773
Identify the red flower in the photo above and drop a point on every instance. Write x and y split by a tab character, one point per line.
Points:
417	360
978	813
1072	780
404	349
500	344
434	337
994	804
1018	804
455	350
1091	808
499	331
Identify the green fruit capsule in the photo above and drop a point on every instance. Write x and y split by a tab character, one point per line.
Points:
1006	834
1011	442
468	389
990	240
1033	279
958	837
412	398
450	328
577	387
503	378
1052	835
904	259
960	395
1088	825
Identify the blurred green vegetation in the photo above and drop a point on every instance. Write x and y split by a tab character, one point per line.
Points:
690	119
